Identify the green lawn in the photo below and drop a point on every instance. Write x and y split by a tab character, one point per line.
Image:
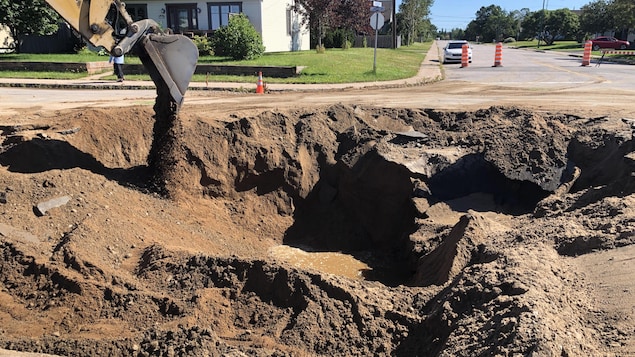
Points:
42	75
561	46
82	56
333	66
564	46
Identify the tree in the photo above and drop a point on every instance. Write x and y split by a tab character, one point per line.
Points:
532	24
317	14
519	16
562	24
596	17
457	34
491	23
552	25
27	17
352	16
623	12
415	18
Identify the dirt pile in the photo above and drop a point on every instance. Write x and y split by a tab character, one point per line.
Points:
466	223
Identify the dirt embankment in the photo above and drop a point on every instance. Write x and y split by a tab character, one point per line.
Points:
465	224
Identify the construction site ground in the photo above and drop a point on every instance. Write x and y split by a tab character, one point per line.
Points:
428	218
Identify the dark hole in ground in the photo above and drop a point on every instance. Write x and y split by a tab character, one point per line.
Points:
473	174
367	210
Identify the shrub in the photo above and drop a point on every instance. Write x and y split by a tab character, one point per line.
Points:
337	38
320	49
238	40
346	45
204	45
509	40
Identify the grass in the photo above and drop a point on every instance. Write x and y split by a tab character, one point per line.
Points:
83	56
564	46
42	75
333	66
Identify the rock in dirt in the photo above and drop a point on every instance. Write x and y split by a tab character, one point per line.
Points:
43	207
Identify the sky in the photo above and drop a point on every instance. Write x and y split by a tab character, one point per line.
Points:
449	14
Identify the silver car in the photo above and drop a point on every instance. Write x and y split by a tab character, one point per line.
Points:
453	50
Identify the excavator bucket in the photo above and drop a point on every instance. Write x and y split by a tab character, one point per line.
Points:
170	61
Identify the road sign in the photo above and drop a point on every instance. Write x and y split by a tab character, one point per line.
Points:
377	21
377	9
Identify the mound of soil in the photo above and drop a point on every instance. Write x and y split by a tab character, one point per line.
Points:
457	233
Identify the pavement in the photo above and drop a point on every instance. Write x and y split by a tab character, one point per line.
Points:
430	71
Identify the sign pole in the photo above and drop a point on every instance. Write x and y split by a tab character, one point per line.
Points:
375	19
376	35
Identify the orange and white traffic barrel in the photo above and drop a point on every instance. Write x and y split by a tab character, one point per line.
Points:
586	57
498	55
465	58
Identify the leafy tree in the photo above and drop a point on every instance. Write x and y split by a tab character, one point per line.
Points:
606	15
238	40
561	23
318	15
457	34
415	18
519	16
533	23
552	25
491	23
28	17
596	17
623	12
352	17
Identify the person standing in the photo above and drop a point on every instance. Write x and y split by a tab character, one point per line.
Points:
117	63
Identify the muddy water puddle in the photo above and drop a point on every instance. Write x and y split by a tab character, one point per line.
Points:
326	262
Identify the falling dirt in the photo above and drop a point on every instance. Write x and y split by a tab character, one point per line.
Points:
339	230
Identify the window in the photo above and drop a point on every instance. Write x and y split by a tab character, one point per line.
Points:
219	13
182	17
137	11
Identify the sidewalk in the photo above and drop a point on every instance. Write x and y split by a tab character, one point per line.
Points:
429	71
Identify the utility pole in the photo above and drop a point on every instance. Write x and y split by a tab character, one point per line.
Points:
542	21
394	24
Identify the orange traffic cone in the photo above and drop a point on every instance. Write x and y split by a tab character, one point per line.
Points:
464	55
498	56
260	88
586	57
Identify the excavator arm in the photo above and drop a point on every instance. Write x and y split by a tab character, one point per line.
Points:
170	59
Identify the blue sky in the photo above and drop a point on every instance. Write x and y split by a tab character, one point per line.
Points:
449	14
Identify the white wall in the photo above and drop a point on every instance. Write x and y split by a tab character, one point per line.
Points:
281	29
5	39
272	25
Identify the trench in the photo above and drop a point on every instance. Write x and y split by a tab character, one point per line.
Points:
369	215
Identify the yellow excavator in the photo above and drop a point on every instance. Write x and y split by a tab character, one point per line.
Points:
170	59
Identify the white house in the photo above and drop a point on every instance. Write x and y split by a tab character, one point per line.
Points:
275	20
6	41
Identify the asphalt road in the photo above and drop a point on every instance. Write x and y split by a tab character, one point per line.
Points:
541	70
528	78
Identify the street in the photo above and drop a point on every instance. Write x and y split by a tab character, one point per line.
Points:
529	78
540	70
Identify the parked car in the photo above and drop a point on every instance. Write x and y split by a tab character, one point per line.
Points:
453	50
609	42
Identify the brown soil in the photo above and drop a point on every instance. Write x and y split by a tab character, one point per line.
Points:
342	230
